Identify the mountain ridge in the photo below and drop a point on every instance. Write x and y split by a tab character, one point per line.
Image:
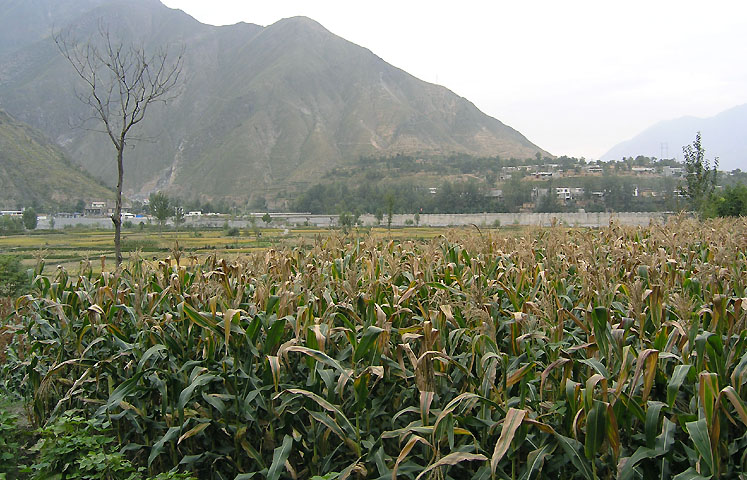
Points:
264	111
722	136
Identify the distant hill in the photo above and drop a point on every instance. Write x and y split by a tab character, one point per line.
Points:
264	111
34	172
723	136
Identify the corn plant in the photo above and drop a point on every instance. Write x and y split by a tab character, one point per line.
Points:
551	353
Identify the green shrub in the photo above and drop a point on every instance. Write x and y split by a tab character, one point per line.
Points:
10	225
74	447
9	441
144	244
13	280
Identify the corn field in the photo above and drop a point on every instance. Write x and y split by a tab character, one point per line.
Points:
554	353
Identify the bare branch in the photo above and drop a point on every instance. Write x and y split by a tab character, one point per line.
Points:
119	83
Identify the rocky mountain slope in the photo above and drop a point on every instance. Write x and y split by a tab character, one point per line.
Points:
34	172
263	111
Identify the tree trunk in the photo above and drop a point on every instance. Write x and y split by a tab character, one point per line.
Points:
117	216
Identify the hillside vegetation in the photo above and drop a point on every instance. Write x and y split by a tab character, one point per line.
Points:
35	172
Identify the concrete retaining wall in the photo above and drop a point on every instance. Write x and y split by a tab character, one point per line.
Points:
398	220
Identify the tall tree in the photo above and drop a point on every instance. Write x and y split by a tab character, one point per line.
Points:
119	82
160	208
700	178
29	218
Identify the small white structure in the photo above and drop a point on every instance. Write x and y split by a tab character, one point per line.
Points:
563	193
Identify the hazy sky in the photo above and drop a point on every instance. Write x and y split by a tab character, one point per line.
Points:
575	77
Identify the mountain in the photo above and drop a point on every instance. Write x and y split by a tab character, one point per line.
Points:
35	172
723	136
263	112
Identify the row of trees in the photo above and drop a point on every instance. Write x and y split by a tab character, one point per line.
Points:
474	196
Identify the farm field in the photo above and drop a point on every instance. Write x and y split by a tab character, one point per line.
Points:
68	248
618	352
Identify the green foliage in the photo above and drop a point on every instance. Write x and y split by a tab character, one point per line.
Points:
233	232
605	353
29	219
732	202
10	444
10	225
267	218
13	280
160	207
74	447
700	177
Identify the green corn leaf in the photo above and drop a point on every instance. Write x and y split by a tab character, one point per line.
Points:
158	447
535	461
127	387
652	422
600	317
596	428
328	422
215	401
665	440
202	320
597	366
678	378
199	381
346	425
272	304
572	448
155	349
274	334
690	474
698	431
368	340
317	355
626	466
279	456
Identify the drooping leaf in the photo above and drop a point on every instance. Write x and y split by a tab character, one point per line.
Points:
512	422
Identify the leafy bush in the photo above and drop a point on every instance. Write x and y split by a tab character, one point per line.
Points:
10	444
233	232
10	225
13	279
78	448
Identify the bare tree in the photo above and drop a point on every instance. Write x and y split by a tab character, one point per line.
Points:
120	81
